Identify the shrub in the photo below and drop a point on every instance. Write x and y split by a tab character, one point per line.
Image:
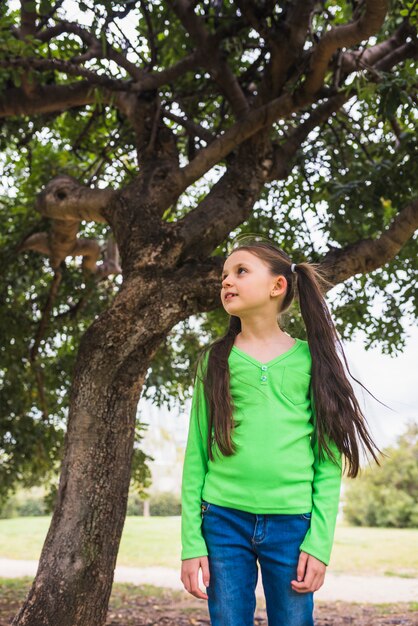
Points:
387	496
164	504
135	505
23	506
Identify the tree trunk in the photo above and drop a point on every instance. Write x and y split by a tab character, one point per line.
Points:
75	574
160	288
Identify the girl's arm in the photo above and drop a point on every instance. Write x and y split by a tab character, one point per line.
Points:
326	496
194	472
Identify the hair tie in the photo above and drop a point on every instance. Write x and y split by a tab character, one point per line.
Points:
293	268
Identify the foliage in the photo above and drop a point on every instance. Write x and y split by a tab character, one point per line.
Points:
164	504
387	496
135	505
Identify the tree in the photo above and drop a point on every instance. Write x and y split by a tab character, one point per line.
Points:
163	146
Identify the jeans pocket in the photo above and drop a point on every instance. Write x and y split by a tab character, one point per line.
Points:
204	507
306	516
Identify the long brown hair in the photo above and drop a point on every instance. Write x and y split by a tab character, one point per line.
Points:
338	414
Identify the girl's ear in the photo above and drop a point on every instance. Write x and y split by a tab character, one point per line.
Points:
280	286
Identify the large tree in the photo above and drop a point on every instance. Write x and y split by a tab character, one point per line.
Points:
161	128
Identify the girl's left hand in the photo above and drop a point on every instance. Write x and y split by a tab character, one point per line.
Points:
310	573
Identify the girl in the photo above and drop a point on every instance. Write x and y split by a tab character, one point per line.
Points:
271	418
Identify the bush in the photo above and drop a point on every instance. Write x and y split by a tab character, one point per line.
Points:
164	504
9	509
31	507
23	506
387	496
135	505
161	504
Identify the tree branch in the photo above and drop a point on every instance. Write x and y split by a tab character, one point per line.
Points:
256	171
47	16
211	56
51	98
64	198
286	151
368	254
242	130
27	18
406	51
195	130
95	46
67	67
227	205
148	82
46	99
144	81
355	59
343	36
338	265
285	41
151	34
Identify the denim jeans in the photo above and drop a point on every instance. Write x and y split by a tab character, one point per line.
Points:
235	540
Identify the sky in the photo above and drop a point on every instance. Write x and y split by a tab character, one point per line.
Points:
393	380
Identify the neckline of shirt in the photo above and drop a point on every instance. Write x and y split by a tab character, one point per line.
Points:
276	359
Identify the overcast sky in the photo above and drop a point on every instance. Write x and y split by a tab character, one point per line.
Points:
393	380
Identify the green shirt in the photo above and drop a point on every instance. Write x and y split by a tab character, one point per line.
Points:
276	468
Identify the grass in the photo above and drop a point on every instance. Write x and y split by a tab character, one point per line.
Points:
375	551
155	541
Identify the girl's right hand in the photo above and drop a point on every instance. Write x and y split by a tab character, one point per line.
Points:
190	575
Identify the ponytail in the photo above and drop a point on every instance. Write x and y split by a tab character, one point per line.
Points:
338	412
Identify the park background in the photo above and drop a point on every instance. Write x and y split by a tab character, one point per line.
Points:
385	553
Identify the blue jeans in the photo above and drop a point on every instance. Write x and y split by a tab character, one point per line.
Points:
235	540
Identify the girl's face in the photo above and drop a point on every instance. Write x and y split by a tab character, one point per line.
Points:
248	277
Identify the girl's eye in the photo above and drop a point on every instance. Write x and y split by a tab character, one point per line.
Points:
238	271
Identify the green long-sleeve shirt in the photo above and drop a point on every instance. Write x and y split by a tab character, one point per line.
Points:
276	468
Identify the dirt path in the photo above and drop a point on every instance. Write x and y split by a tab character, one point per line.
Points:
342	587
132	605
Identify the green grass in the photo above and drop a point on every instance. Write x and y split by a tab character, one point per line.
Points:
155	541
378	551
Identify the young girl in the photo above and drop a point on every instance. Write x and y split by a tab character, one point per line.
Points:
271	418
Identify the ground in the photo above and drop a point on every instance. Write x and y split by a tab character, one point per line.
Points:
145	605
